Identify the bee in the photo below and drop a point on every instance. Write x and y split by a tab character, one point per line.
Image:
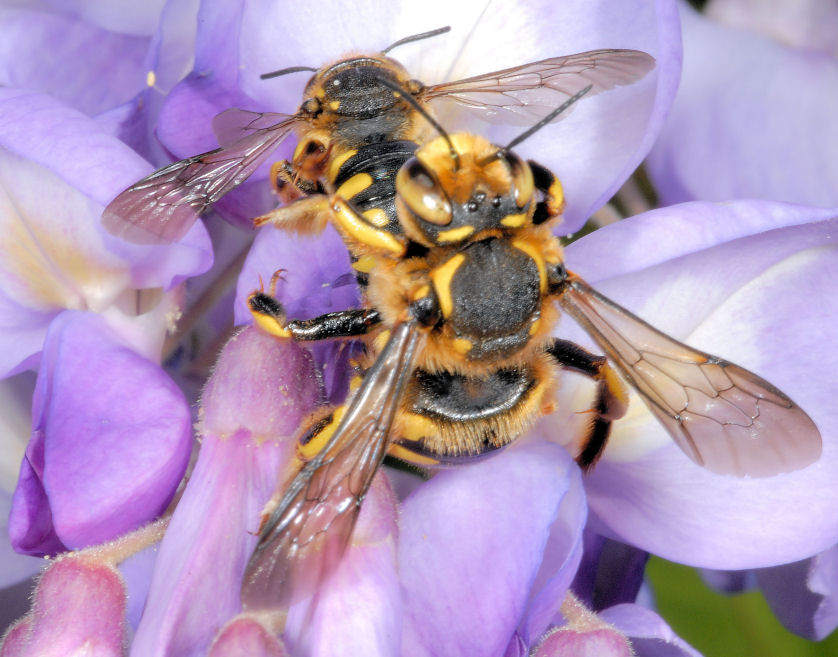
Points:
353	133
462	302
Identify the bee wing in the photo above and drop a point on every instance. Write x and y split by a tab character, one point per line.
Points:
722	416
525	94
163	206
305	535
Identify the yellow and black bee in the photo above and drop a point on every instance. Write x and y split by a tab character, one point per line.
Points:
353	134
462	302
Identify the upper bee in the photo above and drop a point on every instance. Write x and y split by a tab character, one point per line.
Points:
351	101
458	188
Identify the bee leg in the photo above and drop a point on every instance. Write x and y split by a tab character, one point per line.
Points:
306	216
611	396
288	185
552	202
269	315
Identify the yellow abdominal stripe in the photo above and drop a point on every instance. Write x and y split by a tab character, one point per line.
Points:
339	161
355	185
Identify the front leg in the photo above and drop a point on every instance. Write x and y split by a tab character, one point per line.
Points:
269	315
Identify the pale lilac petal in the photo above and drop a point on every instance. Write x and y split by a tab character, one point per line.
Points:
761	299
78	63
260	391
752	119
649	634
79	605
91	167
134	18
808	24
359	609
468	553
111	439
803	594
246	637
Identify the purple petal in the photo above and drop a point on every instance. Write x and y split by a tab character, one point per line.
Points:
650	635
78	604
259	392
762	299
359	608
610	573
111	439
752	119
803	594
471	545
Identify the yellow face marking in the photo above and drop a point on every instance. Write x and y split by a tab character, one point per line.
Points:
365	264
454	234
534	253
270	325
404	454
441	277
514	220
355	185
462	345
376	216
534	327
339	161
356	228
334	105
318	442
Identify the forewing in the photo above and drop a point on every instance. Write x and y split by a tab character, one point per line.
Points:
163	206
306	534
724	417
524	94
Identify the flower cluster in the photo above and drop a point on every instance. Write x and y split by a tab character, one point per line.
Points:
151	454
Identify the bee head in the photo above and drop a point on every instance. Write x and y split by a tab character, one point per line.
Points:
446	198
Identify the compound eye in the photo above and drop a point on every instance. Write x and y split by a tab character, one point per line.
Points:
423	194
522	180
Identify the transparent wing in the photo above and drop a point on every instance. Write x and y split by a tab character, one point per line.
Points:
304	537
163	206
724	417
525	94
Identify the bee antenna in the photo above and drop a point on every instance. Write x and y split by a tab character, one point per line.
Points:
416	37
552	115
408	97
286	71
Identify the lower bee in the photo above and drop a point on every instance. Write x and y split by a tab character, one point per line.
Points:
462	303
